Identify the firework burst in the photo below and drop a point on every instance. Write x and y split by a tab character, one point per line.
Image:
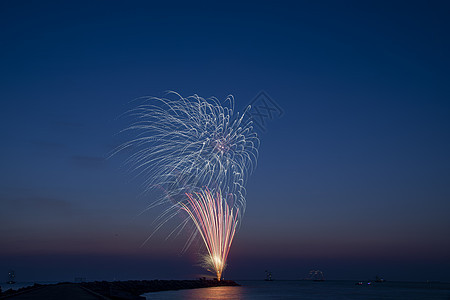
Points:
200	152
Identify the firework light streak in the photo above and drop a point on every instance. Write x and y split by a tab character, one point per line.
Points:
216	222
200	152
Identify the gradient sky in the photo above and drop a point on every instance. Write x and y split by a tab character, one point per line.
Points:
352	179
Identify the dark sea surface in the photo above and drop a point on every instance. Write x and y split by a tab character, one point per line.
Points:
314	290
18	285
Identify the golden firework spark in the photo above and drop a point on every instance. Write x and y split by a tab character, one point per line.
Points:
216	222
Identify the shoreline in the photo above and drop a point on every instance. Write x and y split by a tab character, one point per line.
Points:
122	290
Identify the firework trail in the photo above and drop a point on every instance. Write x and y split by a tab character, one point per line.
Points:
200	152
216	222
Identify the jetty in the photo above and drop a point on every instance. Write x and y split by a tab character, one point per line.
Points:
117	290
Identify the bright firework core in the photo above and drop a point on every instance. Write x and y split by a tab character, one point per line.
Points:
216	222
221	145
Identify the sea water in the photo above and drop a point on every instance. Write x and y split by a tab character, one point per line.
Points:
14	286
18	285
306	290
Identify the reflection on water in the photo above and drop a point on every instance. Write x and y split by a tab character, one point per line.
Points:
220	292
214	293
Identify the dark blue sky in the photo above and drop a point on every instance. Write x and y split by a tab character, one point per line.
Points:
353	178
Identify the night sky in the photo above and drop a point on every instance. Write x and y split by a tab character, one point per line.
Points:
353	177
